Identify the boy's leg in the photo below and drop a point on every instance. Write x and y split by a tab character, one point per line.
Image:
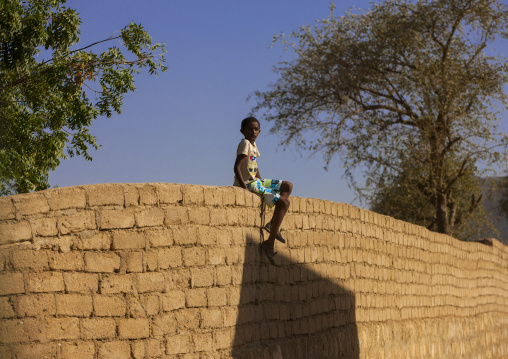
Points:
285	191
281	207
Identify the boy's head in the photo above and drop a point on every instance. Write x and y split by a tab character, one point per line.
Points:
250	129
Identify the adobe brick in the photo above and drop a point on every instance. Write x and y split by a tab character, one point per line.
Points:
151	303
45	227
239	238
178	344
207	236
152	261
173	300
134	261
150	217
201	277
62	328
222	339
6	308
235	216
139	349
240	198
203	342
147	195
35	351
213	196
253	218
154	348
66	261
224	237
117	283
102	262
45	282
199	216
212	318
3	262
188	318
78	222
193	256
252	200
29	259
12	232
216	256
217	297
35	305
169	193
192	195
17	330
218	217
133	328
169	257
6	208
230	196
159	237
230	316
75	305
196	298
115	349
30	203
234	296
85	283
98	328
78	350
163	325
176	215
116	218
66	198
93	240
136	309
105	194
130	239
185	235
223	275
131	196
109	306
150	282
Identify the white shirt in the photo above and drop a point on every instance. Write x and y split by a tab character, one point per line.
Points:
249	168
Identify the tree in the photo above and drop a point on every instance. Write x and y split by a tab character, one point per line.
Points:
503	201
401	196
47	106
407	91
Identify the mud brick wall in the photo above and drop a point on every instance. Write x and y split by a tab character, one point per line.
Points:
173	271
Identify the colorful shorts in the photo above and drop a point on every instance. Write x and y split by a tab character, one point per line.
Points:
267	189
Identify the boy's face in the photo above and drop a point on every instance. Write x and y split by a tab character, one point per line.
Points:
251	131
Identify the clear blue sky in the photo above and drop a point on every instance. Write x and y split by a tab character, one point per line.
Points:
183	126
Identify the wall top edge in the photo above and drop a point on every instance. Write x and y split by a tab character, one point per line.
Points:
9	206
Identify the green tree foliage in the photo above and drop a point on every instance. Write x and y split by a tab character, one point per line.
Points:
403	196
47	105
410	93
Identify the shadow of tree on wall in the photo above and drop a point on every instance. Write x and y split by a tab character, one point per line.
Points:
290	311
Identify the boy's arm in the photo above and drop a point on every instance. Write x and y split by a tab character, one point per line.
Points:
238	173
258	175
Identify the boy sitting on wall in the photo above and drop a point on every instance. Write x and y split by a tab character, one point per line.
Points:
272	192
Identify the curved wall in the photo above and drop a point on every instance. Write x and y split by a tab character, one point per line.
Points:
172	271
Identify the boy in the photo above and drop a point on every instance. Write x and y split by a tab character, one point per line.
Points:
272	192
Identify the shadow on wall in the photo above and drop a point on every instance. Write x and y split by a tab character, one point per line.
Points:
290	311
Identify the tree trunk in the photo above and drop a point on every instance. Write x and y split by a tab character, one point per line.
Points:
442	214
